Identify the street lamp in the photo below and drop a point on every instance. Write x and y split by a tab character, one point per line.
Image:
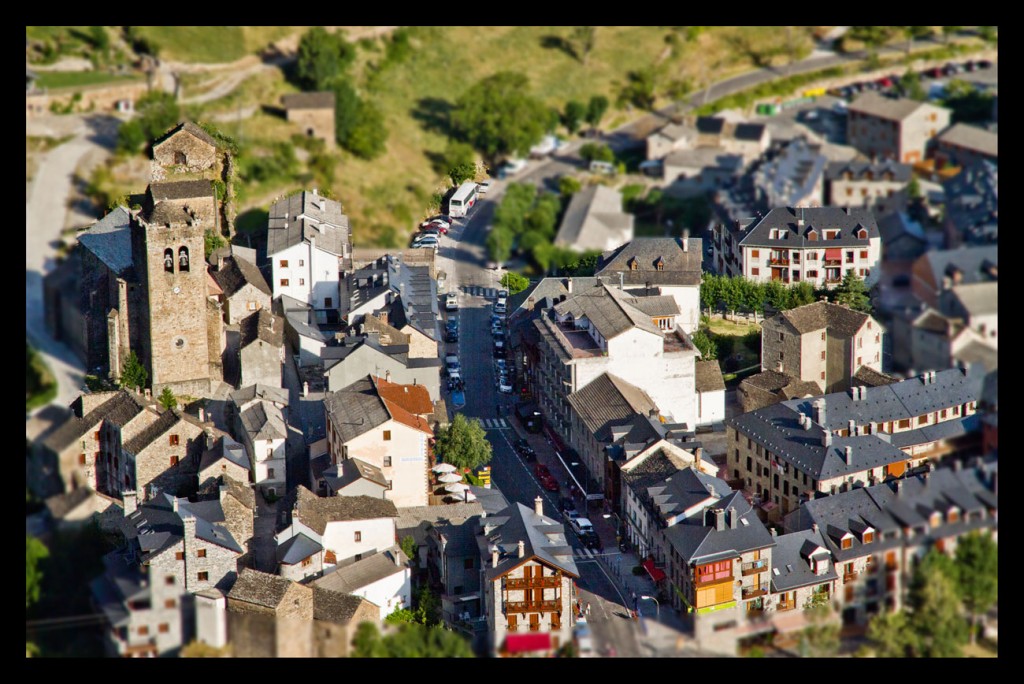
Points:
657	606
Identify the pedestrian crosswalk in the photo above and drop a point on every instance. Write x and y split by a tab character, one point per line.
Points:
583	553
494	423
477	291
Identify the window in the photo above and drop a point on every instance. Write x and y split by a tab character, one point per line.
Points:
846	543
467	564
183	258
849	256
284	282
831	234
329	557
864	255
781	357
284	263
173	440
251	306
822	375
302	262
755	271
755	253
306	562
823	355
204	577
328	302
169	260
922	420
860	343
869	537
180	555
387	435
859	362
796	276
812	274
942	413
878	336
905	423
387	461
302	281
169	580
849	192
170	603
81	459
143	630
164	628
876	356
270	473
201	553
812	235
750	464
359	536
956	410
953	516
782	337
174	460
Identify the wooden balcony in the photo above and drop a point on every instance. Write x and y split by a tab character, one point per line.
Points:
533	606
779	261
754	567
754	591
520	583
785	605
849	577
833	262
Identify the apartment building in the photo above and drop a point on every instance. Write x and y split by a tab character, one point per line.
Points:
962	144
879	186
818	245
798	449
899	129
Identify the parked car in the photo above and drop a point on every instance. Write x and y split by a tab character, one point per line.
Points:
439	226
426	241
568	507
451	335
501	307
549	484
430	230
984	64
451	364
525	450
441	220
504	385
884	82
541	470
503	297
483	186
584	642
511	167
451	301
452	323
581	526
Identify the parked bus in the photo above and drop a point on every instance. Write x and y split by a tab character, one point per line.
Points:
462	200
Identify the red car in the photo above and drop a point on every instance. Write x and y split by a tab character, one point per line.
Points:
549	484
885	82
435	225
541	471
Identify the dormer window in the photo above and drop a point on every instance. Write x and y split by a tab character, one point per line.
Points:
935	520
868	537
634	264
953	516
831	234
869	175
862	234
169	260
845	543
183	258
812	234
660	264
847	175
888	175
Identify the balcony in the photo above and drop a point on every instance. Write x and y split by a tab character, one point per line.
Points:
520	583
779	261
849	577
533	606
754	567
754	591
833	262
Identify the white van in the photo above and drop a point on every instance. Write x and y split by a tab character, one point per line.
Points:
602	167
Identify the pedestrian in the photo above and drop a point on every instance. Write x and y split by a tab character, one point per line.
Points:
588	609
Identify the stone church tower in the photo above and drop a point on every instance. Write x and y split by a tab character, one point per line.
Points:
167	253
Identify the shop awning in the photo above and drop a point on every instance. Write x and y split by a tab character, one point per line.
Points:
833	254
522	643
656	574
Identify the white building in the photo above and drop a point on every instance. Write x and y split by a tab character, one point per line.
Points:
261	424
384	579
307	237
350	527
710	389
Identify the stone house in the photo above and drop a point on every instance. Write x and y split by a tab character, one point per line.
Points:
163	457
699	170
186	147
82	506
668	138
261	349
384	579
770	387
939	270
362	423
823	343
801	566
962	144
348	363
300	553
938	342
879	186
899	129
413	308
261	424
244	287
528	579
730	132
972	205
351	527
594	220
802	448
350	477
903	239
664	266
313	113
225	458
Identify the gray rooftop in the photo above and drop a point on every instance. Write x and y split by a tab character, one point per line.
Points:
594	216
262	420
308	217
187	189
260	588
317	100
365	572
415	300
971	138
297	549
543	538
261	325
244	395
118	409
677	266
301	319
607	400
236	273
356	409
814	219
226	448
839	320
696	540
681	491
704	157
190	128
884	170
608	309
873	104
792	175
143	439
110	240
351	469
332	606
791	561
709	376
315	512
972	263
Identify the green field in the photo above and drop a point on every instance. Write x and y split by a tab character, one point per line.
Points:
212	44
54	80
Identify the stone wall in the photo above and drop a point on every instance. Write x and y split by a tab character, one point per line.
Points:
252	630
153	464
315	123
261	362
96	98
185	151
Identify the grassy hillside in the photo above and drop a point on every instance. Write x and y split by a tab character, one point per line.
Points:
212	44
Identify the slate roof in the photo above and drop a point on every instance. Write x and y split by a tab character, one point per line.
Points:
166	213
791	567
980	353
709	376
188	127
297	549
351	469
226	448
320	100
309	217
110	240
673	131
244	395
898	224
678	267
261	325
840	321
263	420
971	138
332	606
872	378
160	527
315	512
656	305
680	491
792	175
371	324
414	520
260	588
608	309
847	221
162	190
542	537
609	399
860	171
415	301
697	542
300	318
898	109
365	572
710	125
594	216
702	157
356	409
60	505
236	273
545	294
970	261
120	408
749	131
165	422
977	299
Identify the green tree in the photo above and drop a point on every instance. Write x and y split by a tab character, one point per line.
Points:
400	616
800	294
133	373
596	108
872	36
346	106
914	189
937	616
199	649
35	551
989	34
461	172
499	117
367	642
706	344
457	155
891	635
573	115
212	240
567	185
167	399
977	564
583	42
821	639
544	214
410	548
948	31
912	33
157	112
710	290
368	136
463	443
99	38
639	89
514	282
852	292
412	640
910	84
130	136
597	152
322	58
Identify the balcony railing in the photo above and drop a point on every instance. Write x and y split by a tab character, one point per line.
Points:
754	567
833	262
520	583
754	591
532	606
779	261
849	577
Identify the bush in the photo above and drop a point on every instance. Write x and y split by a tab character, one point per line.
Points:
514	282
597	152
567	185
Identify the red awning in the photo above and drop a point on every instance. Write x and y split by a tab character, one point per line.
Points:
521	643
656	574
833	254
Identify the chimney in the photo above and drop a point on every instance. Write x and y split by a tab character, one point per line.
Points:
819	412
848	454
538	507
202	415
774	533
394	552
698	454
958	465
732	518
314	192
814	528
305	388
826	439
568	285
719	515
131	502
853	392
620	280
387	377
522	548
174	504
899	487
947	282
686	240
851	426
220	260
494	557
